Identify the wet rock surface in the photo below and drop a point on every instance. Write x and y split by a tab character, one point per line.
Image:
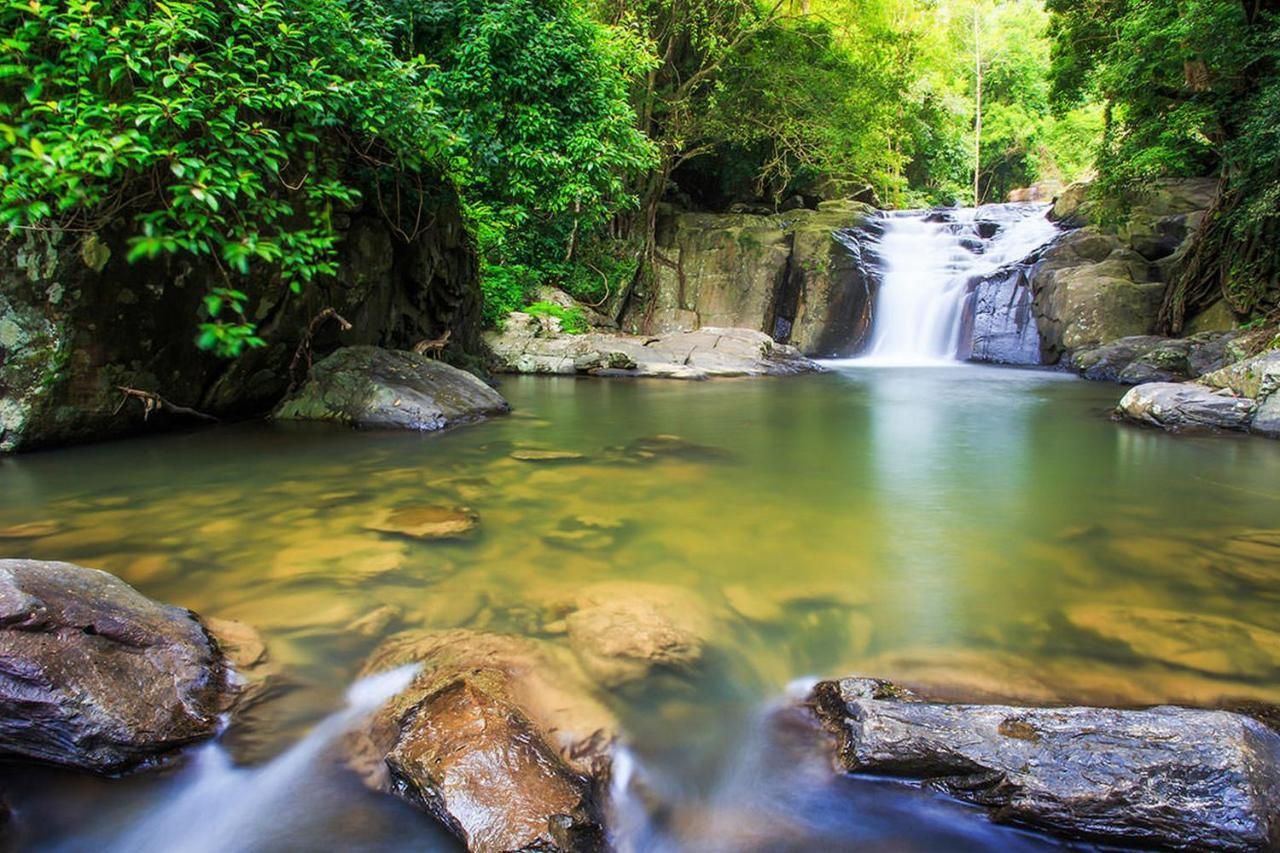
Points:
530	344
95	676
498	737
376	388
1166	776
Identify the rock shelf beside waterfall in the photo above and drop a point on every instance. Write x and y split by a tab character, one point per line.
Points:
1167	776
529	344
1244	397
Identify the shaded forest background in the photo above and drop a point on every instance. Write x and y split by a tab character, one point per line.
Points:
563	128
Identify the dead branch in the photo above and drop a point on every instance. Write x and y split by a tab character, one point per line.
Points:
304	346
152	402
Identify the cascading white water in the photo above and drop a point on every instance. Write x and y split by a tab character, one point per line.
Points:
217	806
928	260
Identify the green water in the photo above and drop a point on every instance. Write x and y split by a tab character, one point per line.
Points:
983	531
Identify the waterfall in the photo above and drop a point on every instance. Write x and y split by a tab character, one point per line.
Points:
929	261
213	805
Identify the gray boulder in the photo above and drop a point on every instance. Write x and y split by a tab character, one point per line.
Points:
95	676
1169	777
1177	406
1152	358
376	388
1266	421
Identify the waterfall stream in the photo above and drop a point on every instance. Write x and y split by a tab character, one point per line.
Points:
214	805
929	261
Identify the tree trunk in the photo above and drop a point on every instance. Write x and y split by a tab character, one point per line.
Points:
977	111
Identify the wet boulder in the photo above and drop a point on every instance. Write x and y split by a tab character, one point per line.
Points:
1178	406
498	737
376	388
94	675
1166	776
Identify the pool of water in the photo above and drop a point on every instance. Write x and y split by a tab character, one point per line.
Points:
987	532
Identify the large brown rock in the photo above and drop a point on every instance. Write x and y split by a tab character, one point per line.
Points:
498	737
1106	279
95	676
1167	776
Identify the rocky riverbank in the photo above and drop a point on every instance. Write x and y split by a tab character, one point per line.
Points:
529	344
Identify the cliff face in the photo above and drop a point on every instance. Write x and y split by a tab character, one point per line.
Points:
77	322
797	276
1098	283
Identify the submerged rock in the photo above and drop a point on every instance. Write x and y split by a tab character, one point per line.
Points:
377	388
95	676
1179	406
427	522
1166	776
530	344
547	456
1211	644
498	737
622	631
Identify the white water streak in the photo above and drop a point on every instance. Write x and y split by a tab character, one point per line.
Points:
926	274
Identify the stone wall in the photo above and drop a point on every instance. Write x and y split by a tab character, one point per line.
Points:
798	276
77	321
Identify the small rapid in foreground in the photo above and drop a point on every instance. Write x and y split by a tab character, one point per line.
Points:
214	805
929	260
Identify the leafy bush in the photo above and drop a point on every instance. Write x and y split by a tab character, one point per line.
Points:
536	92
572	320
225	130
506	288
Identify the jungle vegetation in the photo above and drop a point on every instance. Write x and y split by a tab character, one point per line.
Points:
235	131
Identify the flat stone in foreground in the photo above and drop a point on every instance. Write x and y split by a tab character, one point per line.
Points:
1167	776
376	388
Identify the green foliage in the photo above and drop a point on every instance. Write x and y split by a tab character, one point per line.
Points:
536	92
1191	88
506	288
213	128
807	109
572	320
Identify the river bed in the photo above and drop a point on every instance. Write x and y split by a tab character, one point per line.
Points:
987	531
